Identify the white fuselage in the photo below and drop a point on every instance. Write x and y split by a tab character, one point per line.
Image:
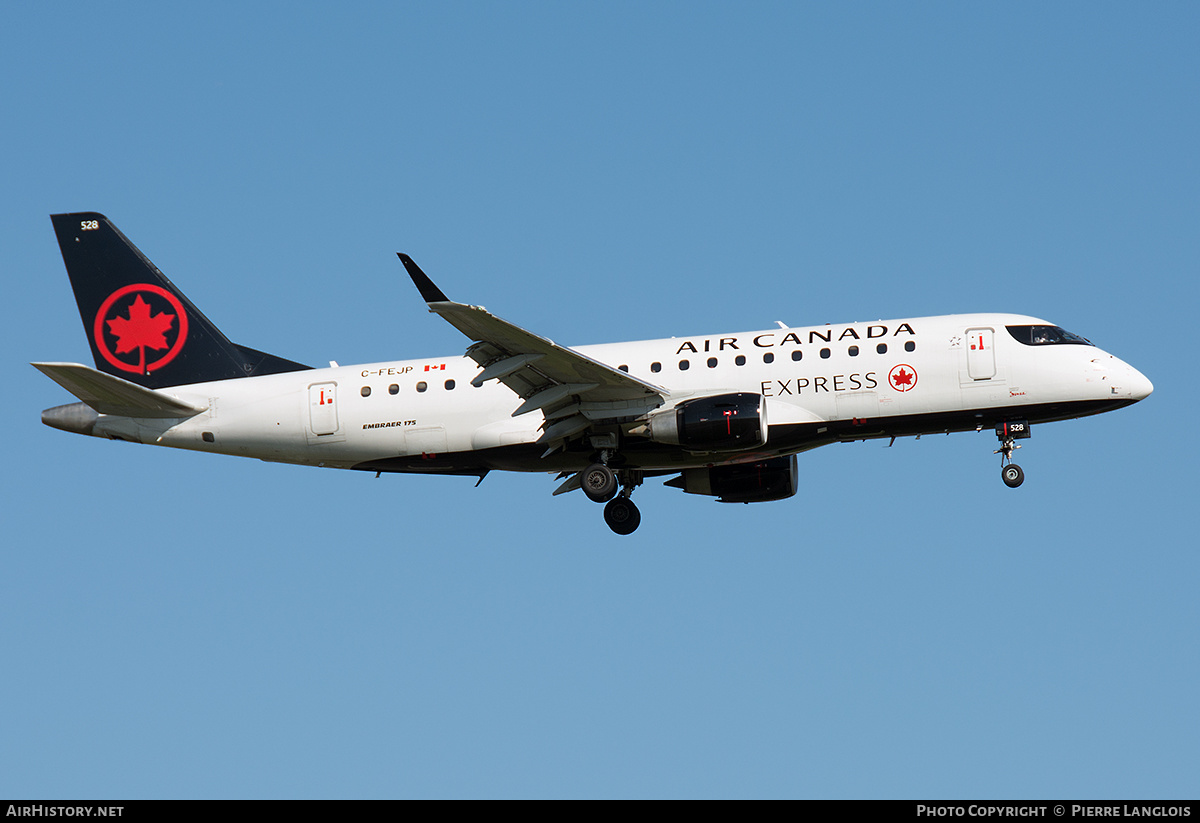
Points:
824	383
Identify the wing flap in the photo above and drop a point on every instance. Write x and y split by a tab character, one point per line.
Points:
504	367
112	395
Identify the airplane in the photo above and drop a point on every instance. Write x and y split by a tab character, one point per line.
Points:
722	415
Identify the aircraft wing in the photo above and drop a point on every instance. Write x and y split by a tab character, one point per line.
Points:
572	390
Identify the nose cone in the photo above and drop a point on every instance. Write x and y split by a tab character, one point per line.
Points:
1139	385
1118	379
1126	381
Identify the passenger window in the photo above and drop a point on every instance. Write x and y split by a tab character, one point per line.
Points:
366	391
740	360
854	351
881	348
656	367
712	362
910	346
684	365
449	385
422	386
797	354
769	357
394	389
824	354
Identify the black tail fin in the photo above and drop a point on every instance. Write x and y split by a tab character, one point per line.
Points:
140	326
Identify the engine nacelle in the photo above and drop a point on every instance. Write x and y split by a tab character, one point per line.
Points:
725	422
774	479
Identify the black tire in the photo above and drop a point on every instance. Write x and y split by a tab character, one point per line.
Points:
599	483
1012	475
622	516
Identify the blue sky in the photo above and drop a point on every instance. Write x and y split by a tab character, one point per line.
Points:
183	625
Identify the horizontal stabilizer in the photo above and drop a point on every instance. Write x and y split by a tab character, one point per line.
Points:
112	395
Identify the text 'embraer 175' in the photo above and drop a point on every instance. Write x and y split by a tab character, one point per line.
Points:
724	414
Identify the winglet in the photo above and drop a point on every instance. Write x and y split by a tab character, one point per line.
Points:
430	292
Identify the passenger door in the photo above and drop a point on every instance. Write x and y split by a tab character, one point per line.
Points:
981	354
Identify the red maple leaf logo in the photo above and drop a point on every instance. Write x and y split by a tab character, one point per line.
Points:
902	377
141	330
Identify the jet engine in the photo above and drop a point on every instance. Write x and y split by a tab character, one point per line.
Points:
773	479
724	422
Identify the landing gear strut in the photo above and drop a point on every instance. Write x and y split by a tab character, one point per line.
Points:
600	483
621	515
1008	433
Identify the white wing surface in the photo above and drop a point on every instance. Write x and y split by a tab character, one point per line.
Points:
572	390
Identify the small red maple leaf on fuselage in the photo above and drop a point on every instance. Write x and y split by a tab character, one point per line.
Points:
903	378
141	330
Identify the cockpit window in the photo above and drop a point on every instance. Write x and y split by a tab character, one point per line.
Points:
1046	336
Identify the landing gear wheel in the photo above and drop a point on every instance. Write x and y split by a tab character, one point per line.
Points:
599	482
622	516
1013	476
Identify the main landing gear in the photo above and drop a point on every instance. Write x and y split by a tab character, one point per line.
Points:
621	515
600	483
1008	433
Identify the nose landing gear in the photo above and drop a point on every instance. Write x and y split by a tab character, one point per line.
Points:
1013	475
1008	433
